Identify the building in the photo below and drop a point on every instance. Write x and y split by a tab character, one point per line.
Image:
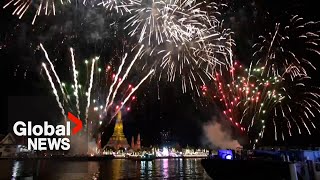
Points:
9	147
118	140
137	146
132	142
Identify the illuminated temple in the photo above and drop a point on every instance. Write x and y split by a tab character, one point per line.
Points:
118	140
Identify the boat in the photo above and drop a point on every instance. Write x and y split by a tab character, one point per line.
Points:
262	165
144	157
246	169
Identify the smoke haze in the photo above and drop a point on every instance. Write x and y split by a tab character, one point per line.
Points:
220	135
81	145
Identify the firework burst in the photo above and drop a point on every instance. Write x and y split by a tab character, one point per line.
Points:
46	7
279	51
245	97
119	6
160	20
250	100
182	41
81	96
295	112
189	61
76	96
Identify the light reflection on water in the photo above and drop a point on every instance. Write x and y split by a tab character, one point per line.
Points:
22	168
15	169
165	168
112	169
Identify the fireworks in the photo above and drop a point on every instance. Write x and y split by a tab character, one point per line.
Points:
288	48
54	90
297	108
273	89
46	7
78	97
186	38
175	21
250	100
185	41
76	90
120	6
182	40
186	61
118	81
158	21
245	97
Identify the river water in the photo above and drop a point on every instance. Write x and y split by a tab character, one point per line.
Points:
111	169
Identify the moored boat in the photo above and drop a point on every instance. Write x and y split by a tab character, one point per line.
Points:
246	169
275	165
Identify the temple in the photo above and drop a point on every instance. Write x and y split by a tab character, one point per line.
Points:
118	140
137	146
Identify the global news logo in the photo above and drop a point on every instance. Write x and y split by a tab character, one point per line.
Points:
48	137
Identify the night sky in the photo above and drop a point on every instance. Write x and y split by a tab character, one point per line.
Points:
29	95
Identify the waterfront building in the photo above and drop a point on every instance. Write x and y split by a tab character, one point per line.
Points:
9	146
132	142
118	139
136	146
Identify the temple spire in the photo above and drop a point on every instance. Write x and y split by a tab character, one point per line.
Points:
138	145
132	142
118	140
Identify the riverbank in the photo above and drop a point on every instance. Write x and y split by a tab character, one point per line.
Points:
87	158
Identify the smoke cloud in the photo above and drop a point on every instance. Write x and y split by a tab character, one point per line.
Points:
220	135
81	145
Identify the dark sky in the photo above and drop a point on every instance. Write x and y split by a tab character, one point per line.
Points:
174	112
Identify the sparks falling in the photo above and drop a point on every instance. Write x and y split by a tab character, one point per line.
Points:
299	106
118	6
279	53
249	100
157	21
45	7
245	97
183	41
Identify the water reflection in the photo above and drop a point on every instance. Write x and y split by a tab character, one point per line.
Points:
117	169
165	163
146	169
22	169
180	166
16	168
113	169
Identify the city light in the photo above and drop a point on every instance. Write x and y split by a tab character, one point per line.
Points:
165	151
